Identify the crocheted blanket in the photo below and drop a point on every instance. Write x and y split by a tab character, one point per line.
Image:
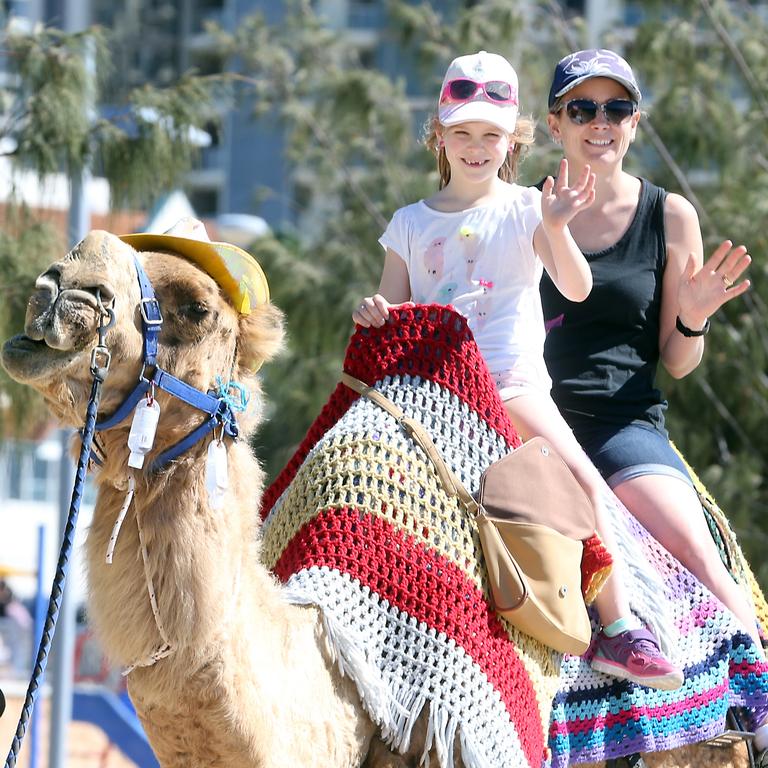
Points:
358	524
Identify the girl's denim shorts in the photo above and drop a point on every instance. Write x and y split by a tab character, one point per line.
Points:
623	452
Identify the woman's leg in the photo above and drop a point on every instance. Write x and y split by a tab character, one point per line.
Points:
671	512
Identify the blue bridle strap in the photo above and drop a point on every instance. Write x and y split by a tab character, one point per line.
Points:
151	319
217	406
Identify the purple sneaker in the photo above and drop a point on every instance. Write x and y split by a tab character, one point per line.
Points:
758	721
634	655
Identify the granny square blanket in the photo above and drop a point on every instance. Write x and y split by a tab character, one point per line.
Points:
358	524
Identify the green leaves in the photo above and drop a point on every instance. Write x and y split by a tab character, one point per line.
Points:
354	155
27	247
51	123
154	143
48	121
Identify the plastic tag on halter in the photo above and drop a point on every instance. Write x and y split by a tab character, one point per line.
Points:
216	473
142	434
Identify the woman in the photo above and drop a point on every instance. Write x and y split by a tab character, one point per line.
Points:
651	302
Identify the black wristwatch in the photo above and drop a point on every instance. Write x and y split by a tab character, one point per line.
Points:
688	332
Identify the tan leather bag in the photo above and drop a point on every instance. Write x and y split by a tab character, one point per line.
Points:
532	516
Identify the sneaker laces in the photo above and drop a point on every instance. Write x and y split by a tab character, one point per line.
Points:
644	645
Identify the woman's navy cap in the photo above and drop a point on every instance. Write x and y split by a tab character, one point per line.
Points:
580	66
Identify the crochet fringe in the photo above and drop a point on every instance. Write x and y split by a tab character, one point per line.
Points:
395	712
346	651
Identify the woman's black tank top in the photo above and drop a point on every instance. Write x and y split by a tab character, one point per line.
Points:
602	353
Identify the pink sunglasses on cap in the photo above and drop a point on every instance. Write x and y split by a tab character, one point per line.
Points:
464	89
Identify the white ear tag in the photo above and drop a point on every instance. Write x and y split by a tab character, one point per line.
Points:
216	475
142	434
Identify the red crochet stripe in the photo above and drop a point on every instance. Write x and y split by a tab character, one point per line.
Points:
428	587
431	341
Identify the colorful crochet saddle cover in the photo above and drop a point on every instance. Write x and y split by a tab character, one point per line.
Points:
730	551
595	717
358	524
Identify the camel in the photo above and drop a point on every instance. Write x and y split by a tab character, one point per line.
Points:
224	670
219	698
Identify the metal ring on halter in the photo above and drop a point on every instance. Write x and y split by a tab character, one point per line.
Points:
727	282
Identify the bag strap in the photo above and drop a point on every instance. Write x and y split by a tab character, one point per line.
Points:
416	430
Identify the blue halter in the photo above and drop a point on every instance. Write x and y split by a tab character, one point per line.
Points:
219	406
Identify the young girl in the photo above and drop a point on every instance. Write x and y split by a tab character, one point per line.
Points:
480	244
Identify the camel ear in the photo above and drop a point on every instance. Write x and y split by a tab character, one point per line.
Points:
261	336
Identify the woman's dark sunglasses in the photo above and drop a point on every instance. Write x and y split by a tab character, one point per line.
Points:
583	111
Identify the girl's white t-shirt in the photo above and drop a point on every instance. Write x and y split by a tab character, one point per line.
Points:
481	261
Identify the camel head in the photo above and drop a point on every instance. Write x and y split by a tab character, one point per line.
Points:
213	329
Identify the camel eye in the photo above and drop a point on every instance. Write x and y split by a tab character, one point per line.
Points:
197	310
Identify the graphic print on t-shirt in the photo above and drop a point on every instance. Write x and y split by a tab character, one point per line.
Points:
446	292
434	258
469	243
483	305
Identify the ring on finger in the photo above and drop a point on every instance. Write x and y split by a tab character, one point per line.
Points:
727	282
362	307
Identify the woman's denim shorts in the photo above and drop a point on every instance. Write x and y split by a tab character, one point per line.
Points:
623	452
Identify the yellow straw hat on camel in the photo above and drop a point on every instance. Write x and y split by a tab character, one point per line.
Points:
236	271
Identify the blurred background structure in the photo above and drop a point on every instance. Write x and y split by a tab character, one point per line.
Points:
291	127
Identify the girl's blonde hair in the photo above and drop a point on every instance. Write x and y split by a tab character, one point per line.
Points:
522	137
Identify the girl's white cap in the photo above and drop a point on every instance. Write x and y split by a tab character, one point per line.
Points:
482	67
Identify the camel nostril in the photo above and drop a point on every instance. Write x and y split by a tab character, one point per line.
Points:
104	294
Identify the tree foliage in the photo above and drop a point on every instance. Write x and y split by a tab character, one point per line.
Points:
52	120
354	153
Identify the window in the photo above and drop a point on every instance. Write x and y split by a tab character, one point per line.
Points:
204	201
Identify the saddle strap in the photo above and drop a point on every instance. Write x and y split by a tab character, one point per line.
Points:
418	433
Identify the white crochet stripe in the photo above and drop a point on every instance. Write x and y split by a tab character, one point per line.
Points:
401	666
467	443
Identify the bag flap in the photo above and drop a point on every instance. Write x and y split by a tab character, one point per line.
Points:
534	485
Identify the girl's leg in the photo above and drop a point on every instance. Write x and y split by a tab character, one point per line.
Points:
628	651
537	415
671	512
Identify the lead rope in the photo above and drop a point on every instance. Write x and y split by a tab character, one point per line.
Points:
99	373
167	648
